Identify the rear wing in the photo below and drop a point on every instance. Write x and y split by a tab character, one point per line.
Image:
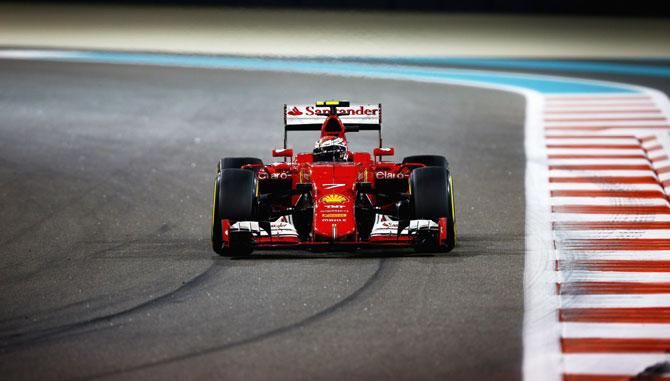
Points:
354	117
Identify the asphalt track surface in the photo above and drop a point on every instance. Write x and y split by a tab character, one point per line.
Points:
106	270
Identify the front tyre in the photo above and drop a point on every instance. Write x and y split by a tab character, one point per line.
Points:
432	198
428	160
237	162
235	200
217	240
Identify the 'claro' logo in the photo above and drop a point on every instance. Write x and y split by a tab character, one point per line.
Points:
382	175
264	175
334	198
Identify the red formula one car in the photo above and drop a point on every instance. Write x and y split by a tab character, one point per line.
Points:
333	198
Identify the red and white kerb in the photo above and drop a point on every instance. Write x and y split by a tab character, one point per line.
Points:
608	176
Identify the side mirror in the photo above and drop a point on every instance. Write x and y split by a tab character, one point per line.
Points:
285	152
384	151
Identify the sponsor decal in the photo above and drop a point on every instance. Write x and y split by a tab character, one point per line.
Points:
383	175
336	206
280	176
334	198
312	110
333	220
334	215
332	186
264	175
294	111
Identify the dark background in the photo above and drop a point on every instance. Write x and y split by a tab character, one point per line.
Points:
622	8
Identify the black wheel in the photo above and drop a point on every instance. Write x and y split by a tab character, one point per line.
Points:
432	196
237	162
217	240
428	160
235	200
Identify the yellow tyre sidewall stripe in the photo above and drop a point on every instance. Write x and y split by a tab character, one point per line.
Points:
453	204
214	205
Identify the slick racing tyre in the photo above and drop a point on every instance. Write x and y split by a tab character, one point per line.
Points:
237	162
428	160
235	200
217	240
432	198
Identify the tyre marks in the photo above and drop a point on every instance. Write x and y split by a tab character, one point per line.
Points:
608	174
16	340
355	295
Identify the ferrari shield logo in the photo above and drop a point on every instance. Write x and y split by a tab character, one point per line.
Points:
334	198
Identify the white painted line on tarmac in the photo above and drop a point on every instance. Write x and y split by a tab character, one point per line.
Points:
615	330
607	201
613	276
616	301
642	255
611	364
605	186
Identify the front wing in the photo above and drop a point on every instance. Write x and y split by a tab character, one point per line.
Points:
384	233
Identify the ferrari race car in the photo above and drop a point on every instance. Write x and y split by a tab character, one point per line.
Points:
333	198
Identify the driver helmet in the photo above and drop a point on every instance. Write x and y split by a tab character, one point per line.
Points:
330	148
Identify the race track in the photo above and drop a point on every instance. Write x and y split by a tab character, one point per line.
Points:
106	271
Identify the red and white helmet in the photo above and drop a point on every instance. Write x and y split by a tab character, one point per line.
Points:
330	148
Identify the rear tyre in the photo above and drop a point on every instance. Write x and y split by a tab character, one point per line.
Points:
428	160
432	198
235	200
